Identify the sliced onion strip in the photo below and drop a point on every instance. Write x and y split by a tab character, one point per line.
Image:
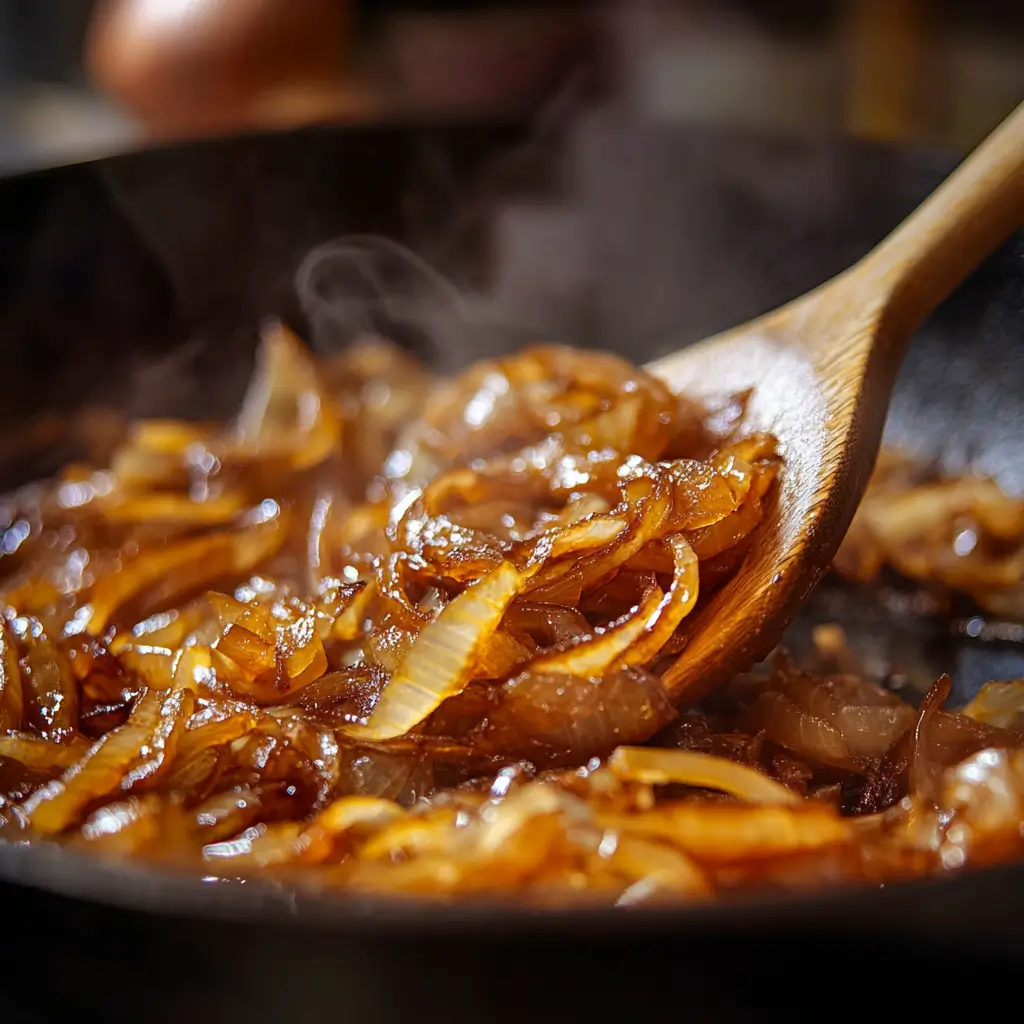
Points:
660	767
349	624
355	811
674	606
181	568
439	664
181	510
106	766
999	704
586	535
42	754
12	697
717	833
591	656
653	866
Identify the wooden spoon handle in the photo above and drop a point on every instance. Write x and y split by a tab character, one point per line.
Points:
976	209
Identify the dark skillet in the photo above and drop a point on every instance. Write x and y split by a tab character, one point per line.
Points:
139	282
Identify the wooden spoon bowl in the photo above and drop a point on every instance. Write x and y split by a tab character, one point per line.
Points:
822	369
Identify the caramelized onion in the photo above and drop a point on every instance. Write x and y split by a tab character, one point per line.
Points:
48	684
673	608
689	768
963	534
179	569
789	725
656	868
592	656
719	833
922	772
999	704
556	714
439	663
286	410
381	632
12	701
152	728
41	754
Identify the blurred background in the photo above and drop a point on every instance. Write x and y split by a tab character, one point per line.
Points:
83	78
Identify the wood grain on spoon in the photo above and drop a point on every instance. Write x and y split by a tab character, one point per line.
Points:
822	369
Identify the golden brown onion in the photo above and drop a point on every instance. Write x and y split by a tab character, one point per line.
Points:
689	768
439	663
385	633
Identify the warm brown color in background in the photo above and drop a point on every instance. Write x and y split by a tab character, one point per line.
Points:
83	77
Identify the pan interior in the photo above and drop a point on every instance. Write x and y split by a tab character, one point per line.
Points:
138	283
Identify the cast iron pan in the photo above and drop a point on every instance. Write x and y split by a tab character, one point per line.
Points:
140	281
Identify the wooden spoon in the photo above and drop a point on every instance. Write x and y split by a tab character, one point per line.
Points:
822	369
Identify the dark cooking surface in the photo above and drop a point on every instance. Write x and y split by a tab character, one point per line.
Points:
129	967
140	281
628	237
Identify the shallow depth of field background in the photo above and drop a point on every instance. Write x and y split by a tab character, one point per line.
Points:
941	72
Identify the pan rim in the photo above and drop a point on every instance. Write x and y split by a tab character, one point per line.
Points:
910	906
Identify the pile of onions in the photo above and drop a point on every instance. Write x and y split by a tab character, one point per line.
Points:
961	534
387	633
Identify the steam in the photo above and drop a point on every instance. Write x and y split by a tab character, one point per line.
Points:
361	285
368	285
